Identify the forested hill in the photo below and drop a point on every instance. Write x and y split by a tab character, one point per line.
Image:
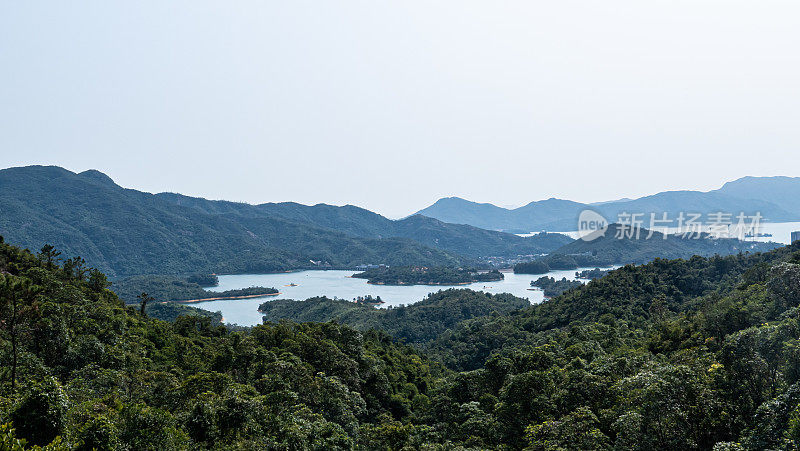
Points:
675	354
418	323
82	371
124	232
357	222
698	354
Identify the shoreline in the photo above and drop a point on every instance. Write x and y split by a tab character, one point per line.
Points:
223	298
426	284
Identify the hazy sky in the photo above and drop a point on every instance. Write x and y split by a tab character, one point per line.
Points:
391	105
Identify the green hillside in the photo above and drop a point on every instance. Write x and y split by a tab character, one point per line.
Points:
357	222
419	323
675	354
126	232
82	371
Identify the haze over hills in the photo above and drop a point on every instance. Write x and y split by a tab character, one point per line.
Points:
777	199
354	221
783	191
646	246
124	231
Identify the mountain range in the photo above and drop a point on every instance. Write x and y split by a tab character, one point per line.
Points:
646	245
124	232
777	199
127	232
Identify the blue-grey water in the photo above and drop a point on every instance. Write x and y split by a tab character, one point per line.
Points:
339	284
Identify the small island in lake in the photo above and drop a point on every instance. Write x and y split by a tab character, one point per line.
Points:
423	275
591	273
532	267
180	289
553	287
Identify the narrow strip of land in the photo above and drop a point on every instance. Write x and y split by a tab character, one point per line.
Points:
398	284
221	298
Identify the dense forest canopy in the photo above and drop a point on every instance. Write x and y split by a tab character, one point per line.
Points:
554	287
419	323
675	354
80	369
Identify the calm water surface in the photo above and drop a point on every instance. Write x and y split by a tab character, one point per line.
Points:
339	284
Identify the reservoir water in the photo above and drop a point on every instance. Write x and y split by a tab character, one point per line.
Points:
339	284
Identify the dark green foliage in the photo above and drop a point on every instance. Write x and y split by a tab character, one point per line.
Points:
591	273
533	267
553	287
419	323
558	261
670	355
170	311
169	288
204	280
682	354
39	414
100	375
420	275
552	262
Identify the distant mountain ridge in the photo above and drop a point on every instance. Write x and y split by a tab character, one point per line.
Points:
357	222
779	190
125	232
645	246
776	198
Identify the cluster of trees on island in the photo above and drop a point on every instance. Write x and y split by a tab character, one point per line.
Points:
552	262
595	273
423	275
554	287
175	288
674	354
